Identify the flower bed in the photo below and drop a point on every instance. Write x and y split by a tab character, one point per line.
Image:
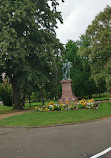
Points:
82	104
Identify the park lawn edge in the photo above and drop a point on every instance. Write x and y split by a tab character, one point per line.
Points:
55	125
46	119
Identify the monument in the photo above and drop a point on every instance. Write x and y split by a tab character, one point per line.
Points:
66	82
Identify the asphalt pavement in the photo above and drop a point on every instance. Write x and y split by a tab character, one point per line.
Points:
70	141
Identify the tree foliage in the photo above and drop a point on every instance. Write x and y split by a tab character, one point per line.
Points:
100	47
80	70
27	40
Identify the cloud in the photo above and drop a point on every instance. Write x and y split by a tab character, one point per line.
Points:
77	15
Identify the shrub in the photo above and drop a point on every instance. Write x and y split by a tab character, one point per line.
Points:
6	93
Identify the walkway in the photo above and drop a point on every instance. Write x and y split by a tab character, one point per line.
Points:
2	116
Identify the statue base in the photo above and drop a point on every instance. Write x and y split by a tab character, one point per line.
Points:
67	94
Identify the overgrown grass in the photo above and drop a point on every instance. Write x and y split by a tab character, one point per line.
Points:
57	117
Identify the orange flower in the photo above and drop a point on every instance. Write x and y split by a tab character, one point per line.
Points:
85	104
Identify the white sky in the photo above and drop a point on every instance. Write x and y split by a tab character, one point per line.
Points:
77	15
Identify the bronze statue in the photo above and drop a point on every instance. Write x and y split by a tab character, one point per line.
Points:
66	70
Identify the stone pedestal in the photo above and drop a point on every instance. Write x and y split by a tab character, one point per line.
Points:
67	94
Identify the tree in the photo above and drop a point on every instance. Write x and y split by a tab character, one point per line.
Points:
100	47
84	51
71	51
52	88
80	70
27	37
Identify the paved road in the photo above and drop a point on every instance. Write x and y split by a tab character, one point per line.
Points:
71	141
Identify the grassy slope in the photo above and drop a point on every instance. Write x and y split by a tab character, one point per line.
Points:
6	109
60	117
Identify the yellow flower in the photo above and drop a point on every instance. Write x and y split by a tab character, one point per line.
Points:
46	109
40	109
66	102
92	99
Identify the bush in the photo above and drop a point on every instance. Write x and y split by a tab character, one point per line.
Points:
6	93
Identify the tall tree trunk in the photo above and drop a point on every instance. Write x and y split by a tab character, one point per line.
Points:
29	101
23	100
99	94
16	95
56	76
42	97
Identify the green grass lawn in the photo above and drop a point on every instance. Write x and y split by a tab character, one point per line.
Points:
101	99
6	109
103	96
57	117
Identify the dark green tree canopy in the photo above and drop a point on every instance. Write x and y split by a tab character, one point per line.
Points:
27	40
